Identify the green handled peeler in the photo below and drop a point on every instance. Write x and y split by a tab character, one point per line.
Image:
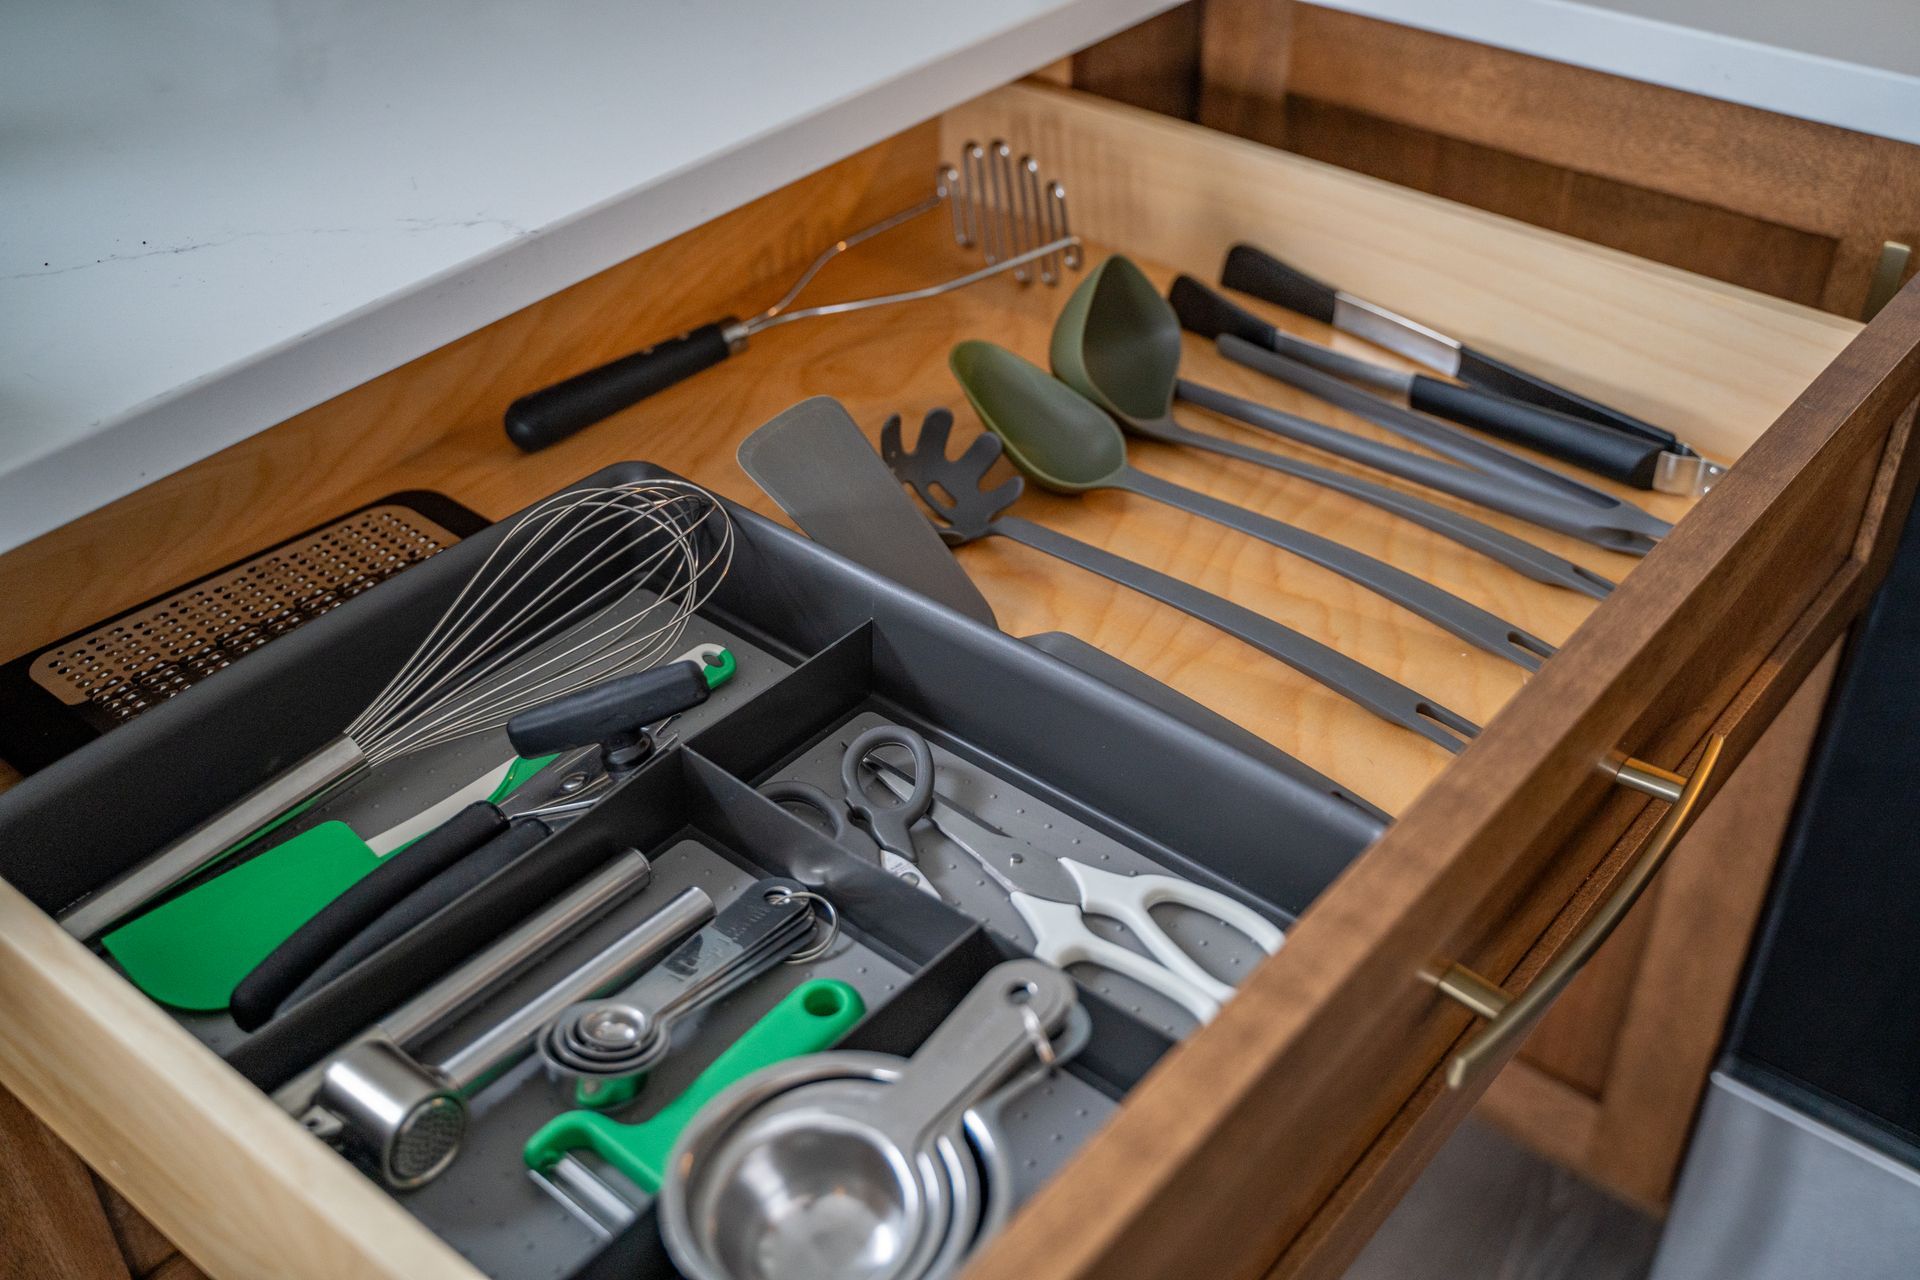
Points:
809	1019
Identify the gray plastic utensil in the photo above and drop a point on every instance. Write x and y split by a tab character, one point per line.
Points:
1067	443
1583	513
922	561
1144	407
951	488
813	460
1117	342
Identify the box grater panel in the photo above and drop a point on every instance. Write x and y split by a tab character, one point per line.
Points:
145	657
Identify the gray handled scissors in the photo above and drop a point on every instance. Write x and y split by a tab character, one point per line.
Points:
889	822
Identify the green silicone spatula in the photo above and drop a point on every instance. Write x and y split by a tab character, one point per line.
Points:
810	1018
191	952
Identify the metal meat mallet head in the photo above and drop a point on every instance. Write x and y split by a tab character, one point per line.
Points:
1000	207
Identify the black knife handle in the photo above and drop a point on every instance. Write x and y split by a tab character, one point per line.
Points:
1584	443
1257	272
550	415
334	925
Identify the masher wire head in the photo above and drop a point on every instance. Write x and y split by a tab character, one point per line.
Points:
1002	207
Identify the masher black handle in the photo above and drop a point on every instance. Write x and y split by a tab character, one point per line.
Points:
550	415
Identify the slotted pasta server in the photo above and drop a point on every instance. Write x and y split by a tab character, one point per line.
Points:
951	489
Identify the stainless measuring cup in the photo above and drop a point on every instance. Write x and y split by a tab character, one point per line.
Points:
852	1166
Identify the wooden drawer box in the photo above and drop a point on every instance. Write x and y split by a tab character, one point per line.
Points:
1273	1140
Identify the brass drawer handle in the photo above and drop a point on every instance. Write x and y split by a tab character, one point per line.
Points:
1509	1015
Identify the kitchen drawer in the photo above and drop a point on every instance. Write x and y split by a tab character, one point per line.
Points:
1271	1141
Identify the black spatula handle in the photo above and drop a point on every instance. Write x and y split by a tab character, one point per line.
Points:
1255	271
551	415
495	855
307	948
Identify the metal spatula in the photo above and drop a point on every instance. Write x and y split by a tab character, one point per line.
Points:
817	465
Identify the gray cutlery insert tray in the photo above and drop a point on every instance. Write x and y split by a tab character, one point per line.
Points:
1036	747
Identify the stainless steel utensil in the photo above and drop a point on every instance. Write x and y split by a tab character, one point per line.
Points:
951	489
605	1045
1001	207
1065	442
585	585
408	1118
822	1167
454	994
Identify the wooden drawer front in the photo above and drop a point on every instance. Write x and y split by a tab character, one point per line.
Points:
1274	1135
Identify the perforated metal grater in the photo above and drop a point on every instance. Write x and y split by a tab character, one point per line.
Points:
71	692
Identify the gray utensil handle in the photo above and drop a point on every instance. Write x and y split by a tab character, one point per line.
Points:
1385	697
1442	608
1601	528
1518	554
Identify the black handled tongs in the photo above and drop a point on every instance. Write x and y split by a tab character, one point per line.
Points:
1498	398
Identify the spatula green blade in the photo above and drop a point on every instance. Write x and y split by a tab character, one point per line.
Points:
191	952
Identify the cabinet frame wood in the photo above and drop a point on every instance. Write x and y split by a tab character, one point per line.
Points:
1330	1047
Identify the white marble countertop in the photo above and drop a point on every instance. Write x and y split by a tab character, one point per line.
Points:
215	214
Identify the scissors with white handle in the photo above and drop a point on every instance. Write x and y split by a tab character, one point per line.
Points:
1061	935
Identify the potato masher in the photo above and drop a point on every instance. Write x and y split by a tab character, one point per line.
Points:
1000	207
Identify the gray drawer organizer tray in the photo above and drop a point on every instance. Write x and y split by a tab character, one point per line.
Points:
1028	740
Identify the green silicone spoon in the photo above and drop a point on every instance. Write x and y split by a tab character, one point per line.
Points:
1067	443
810	1018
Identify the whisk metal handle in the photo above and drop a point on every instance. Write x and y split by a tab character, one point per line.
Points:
225	832
553	413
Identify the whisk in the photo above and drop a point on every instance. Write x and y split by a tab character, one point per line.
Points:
1001	207
584	586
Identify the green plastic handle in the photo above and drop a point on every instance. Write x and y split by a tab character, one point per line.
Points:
812	1017
720	669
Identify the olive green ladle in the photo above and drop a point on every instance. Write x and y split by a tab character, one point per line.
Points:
1117	342
1068	444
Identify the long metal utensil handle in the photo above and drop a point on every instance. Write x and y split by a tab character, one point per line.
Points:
1629	532
512	1038
329	767
1441	607
1385	697
460	990
1518	554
